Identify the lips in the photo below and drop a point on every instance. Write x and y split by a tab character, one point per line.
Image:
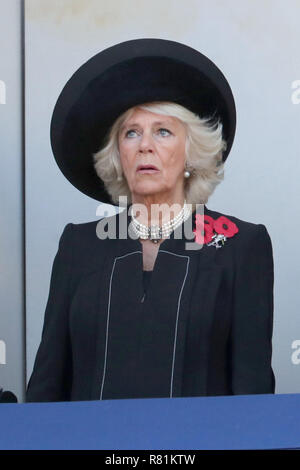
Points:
147	168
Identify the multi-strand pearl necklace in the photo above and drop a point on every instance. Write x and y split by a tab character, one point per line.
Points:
157	232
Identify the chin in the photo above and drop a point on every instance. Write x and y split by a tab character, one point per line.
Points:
147	189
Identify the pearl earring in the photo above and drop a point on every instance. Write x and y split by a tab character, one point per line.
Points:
119	178
187	174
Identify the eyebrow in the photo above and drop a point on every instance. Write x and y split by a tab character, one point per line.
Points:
156	123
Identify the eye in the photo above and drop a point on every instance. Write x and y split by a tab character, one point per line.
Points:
164	132
129	132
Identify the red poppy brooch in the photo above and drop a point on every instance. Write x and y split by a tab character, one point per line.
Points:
213	232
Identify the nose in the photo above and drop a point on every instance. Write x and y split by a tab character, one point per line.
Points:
146	142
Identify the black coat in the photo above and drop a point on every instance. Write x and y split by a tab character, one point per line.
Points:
213	307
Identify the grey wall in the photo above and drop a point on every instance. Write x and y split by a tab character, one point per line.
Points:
12	357
255	44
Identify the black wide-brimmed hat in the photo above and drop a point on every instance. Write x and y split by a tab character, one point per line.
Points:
124	75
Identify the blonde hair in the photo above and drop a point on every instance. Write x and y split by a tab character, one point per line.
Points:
204	149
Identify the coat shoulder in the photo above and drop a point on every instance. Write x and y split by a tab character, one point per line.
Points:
244	226
88	230
86	244
251	237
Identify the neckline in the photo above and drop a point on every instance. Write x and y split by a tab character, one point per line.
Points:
171	236
180	244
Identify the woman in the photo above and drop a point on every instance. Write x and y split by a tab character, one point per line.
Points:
149	314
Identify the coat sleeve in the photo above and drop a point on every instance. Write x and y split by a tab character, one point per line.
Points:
52	372
252	320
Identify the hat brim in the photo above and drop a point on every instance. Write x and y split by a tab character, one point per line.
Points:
122	76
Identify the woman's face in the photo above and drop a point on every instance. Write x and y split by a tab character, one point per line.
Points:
154	140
